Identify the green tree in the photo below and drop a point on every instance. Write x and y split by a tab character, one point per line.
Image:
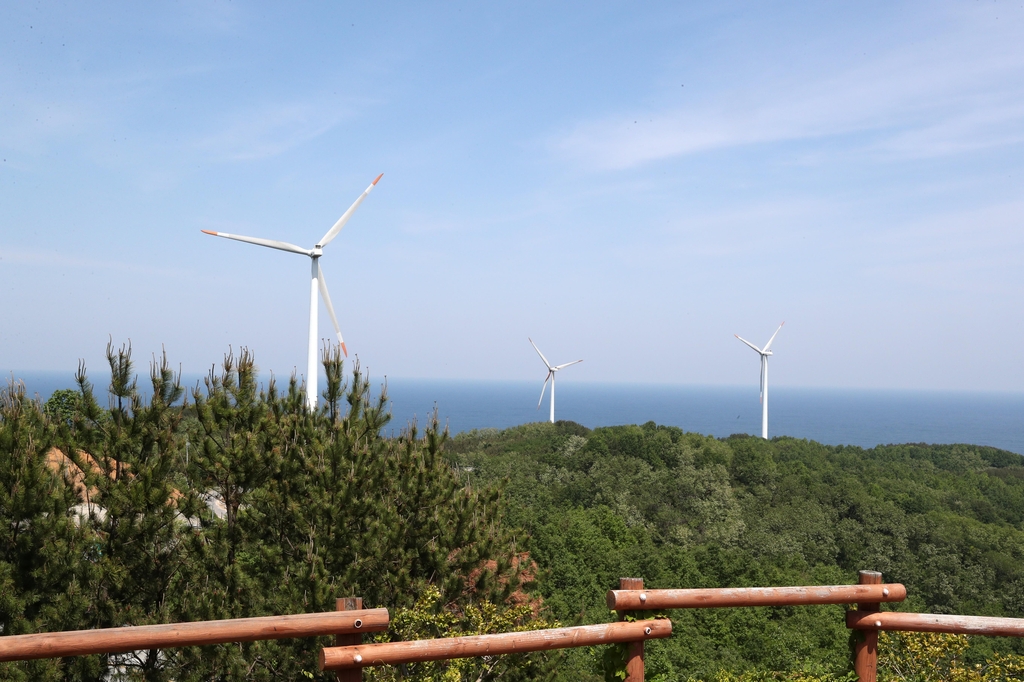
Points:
319	504
41	546
276	509
62	406
685	510
139	572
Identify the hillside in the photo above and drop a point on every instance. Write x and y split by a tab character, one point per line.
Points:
107	518
683	510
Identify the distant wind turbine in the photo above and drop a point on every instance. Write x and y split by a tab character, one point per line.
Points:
316	283
764	377
550	377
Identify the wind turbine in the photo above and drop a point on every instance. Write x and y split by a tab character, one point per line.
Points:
764	377
316	283
550	377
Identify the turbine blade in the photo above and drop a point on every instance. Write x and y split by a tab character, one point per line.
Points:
769	344
543	388
548	364
273	244
761	394
330	308
567	364
333	232
747	342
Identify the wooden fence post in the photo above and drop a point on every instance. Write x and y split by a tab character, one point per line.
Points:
865	652
635	650
349	604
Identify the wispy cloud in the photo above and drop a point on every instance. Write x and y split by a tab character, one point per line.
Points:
980	128
154	105
918	100
272	130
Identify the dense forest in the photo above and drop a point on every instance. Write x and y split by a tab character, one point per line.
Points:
685	510
232	499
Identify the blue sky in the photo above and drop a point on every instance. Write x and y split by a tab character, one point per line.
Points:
630	184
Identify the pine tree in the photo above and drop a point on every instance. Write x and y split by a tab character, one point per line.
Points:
42	549
310	505
128	451
323	505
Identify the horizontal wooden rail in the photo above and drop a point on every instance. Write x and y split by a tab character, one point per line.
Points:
933	622
636	600
200	633
395	653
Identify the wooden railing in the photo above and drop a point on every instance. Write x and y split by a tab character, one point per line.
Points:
631	597
398	653
657	600
869	619
350	655
934	622
200	633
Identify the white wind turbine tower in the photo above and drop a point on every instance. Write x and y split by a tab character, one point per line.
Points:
764	377
550	377
316	283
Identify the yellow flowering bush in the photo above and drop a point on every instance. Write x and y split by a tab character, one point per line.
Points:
935	657
430	619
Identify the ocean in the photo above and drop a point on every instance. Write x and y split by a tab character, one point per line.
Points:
833	416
